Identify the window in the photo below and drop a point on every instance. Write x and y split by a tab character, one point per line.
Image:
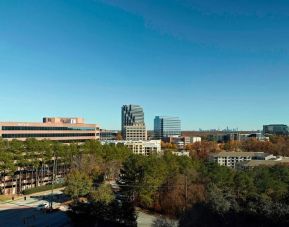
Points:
48	135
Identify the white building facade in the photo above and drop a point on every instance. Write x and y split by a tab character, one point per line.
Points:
139	147
231	159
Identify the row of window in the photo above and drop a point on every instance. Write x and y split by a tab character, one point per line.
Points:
37	128
135	131
135	134
47	135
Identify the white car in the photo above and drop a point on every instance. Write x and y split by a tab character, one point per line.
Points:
42	206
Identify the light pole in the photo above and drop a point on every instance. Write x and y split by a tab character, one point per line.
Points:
52	183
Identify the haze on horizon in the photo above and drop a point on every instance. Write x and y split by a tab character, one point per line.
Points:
212	63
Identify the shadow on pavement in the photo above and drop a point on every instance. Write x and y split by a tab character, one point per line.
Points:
32	217
56	198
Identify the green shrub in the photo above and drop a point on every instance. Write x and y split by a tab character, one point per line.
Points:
42	188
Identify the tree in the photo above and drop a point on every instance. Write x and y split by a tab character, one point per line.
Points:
119	136
201	150
78	184
272	182
7	166
103	194
232	146
153	176
217	199
21	162
32	150
243	185
180	192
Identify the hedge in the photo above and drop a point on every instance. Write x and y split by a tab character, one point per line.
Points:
42	188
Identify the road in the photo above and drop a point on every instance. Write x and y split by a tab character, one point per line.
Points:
24	213
146	219
27	212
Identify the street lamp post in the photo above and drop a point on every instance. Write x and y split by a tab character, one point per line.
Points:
52	183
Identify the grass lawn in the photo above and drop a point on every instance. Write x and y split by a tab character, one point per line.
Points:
5	197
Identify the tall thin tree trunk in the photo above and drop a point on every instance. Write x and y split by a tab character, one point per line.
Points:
36	177
55	170
12	182
31	177
4	183
41	175
25	180
20	181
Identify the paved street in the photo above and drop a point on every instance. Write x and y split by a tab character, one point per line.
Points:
28	213
147	220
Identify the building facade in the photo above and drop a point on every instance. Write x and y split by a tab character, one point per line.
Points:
132	123
230	159
236	136
167	127
190	140
134	132
247	165
52	128
277	129
182	141
108	134
140	147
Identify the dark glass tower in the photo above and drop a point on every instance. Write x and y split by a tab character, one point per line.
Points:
132	114
132	123
277	129
166	127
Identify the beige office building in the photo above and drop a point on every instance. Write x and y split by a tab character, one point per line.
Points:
52	128
135	132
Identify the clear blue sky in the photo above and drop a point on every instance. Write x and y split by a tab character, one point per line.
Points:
212	63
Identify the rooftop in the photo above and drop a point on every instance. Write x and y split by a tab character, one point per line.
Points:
254	163
239	154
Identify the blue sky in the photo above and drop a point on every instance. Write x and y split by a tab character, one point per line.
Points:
212	63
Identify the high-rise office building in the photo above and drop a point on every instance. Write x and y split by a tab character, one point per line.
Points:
132	114
166	127
132	123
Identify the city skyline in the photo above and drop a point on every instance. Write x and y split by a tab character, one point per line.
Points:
212	65
227	129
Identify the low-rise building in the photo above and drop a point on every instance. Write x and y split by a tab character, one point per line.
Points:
190	140
276	129
52	128
181	141
236	136
230	159
181	153
139	147
108	134
255	163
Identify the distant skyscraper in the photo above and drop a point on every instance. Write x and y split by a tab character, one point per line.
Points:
166	127
132	123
